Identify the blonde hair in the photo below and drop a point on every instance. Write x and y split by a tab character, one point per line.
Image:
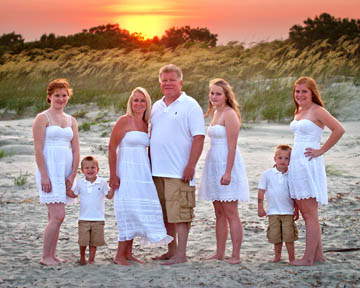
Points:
171	68
89	158
282	147
57	84
147	112
229	94
312	86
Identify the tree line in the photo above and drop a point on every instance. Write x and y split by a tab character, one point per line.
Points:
110	36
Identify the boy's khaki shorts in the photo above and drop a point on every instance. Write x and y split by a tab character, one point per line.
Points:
282	228
177	199
91	233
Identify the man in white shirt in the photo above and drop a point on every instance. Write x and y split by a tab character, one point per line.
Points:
176	143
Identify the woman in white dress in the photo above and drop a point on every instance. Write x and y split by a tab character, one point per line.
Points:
136	203
307	177
57	154
224	180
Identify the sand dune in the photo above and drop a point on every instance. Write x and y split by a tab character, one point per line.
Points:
23	218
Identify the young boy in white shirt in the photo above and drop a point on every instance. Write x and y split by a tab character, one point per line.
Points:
281	209
92	190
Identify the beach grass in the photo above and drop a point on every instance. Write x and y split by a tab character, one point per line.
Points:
262	75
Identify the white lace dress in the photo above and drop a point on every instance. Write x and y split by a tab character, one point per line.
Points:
137	207
307	179
214	169
58	159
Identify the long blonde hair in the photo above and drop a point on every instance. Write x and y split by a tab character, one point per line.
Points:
312	86
147	112
230	96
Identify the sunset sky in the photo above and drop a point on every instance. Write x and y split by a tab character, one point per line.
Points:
240	20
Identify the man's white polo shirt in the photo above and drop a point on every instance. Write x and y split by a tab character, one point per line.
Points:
172	130
277	192
92	201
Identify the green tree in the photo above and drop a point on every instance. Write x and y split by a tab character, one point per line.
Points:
176	36
324	27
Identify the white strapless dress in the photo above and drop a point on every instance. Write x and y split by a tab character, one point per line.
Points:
214	169
307	179
137	206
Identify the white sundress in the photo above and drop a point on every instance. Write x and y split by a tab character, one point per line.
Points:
136	203
58	159
214	169
307	179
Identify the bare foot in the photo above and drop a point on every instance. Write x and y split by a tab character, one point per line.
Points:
175	260
217	257
276	260
60	260
132	258
82	262
121	261
48	262
165	256
233	260
320	259
301	262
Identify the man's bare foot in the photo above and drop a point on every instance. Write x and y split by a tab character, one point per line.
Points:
175	260
121	261
233	260
166	256
82	262
217	257
60	260
48	262
276	260
301	262
132	258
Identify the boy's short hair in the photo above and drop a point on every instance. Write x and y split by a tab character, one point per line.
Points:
282	147
89	158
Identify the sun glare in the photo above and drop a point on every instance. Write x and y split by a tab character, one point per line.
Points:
148	25
149	20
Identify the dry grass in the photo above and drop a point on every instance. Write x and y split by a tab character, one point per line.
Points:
262	75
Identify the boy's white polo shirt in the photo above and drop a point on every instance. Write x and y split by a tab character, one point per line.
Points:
277	194
92	199
172	130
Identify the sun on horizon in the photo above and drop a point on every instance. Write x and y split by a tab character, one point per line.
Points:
148	25
149	20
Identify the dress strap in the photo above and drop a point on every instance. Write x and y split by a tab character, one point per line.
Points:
48	118
70	120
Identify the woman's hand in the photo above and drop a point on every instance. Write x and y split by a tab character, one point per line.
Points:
46	184
312	153
225	179
261	211
69	181
114	183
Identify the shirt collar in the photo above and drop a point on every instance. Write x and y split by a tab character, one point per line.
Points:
97	181
181	98
276	171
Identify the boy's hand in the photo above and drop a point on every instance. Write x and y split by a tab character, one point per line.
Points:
296	213
261	212
110	194
70	194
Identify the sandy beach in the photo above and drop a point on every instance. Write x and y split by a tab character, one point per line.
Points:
23	219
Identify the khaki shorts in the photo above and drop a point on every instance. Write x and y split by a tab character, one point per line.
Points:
91	233
282	228
177	199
